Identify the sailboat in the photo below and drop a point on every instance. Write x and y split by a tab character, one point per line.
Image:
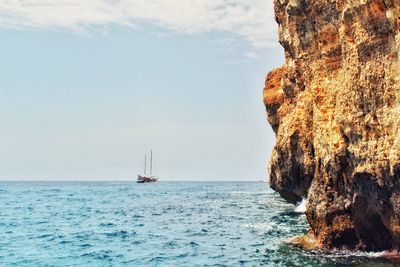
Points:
147	178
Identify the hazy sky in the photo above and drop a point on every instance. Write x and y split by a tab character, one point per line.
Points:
88	87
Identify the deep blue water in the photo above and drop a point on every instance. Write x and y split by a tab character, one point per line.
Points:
163	224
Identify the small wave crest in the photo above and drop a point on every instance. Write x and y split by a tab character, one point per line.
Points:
302	206
360	254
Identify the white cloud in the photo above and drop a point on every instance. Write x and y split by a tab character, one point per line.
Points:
249	19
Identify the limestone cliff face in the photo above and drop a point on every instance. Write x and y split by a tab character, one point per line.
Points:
335	109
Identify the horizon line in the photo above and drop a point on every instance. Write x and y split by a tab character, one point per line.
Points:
107	180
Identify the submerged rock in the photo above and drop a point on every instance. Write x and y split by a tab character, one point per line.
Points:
335	109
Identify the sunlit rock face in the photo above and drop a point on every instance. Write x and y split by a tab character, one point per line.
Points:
335	108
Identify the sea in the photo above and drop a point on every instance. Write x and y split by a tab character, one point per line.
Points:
161	224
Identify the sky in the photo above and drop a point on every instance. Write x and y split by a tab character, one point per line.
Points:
89	87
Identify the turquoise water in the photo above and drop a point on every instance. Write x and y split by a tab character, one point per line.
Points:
163	224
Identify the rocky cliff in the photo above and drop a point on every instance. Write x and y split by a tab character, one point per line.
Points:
335	108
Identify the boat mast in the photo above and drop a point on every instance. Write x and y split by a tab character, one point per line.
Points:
151	161
145	161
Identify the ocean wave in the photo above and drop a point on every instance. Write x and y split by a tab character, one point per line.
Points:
302	206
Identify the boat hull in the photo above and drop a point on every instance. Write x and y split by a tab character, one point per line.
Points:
141	179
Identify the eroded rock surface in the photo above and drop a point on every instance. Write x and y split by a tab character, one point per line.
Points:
335	109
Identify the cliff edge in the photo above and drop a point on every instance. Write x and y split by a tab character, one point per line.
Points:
335	109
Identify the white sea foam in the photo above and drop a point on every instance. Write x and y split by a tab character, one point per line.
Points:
269	227
301	207
346	253
261	226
